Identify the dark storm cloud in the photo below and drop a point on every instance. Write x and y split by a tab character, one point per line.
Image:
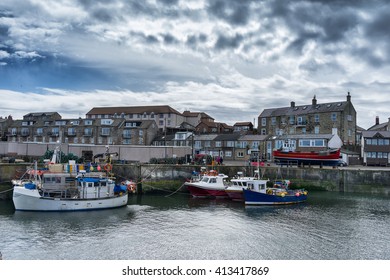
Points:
378	28
169	39
316	22
102	14
225	42
193	41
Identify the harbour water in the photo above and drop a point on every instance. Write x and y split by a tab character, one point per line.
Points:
329	226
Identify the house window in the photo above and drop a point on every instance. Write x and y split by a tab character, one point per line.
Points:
240	154
126	133
301	120
88	131
255	145
317	118
333	117
106	121
312	143
263	131
39	131
25	131
218	144
198	144
228	153
273	120
71	131
316	130
105	131
349	118
263	121
230	144
88	122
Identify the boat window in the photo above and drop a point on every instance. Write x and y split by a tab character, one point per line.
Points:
50	179
250	186
69	179
213	180
205	179
244	184
262	186
58	180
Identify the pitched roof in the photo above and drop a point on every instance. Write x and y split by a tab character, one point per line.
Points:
242	123
253	137
381	126
304	109
133	110
202	115
372	133
227	137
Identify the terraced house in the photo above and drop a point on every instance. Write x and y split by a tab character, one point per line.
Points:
49	127
165	116
319	120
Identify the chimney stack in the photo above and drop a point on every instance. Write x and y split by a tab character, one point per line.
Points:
314	101
376	120
388	124
292	104
349	97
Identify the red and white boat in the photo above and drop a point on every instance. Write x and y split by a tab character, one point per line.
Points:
211	184
234	190
327	157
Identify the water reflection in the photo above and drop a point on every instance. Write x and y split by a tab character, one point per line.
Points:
327	226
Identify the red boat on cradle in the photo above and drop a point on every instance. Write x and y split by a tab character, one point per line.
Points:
330	157
211	184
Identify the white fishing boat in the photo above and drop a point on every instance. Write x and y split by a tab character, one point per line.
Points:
60	187
211	184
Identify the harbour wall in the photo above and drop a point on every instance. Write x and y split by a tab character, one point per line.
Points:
358	180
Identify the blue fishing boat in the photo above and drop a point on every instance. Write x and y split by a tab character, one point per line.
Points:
257	193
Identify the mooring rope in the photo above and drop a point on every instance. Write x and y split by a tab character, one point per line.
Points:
6	191
175	191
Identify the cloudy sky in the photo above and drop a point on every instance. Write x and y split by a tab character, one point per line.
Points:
228	58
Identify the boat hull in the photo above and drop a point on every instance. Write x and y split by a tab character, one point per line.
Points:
30	200
235	195
199	191
257	198
329	158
